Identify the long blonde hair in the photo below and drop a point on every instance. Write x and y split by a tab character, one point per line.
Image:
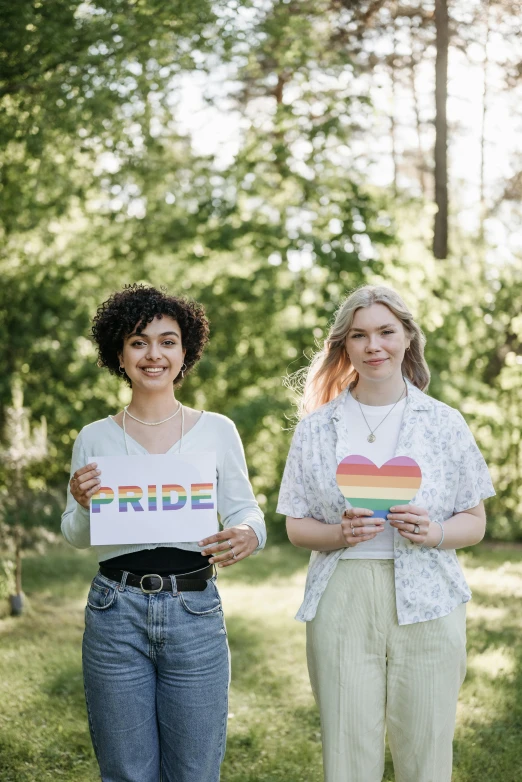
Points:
331	370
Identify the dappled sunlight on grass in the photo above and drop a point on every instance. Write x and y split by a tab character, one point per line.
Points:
278	563
505	581
274	731
489	725
487	613
493	663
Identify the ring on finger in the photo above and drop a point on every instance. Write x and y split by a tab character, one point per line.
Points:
416	529
229	542
353	531
234	555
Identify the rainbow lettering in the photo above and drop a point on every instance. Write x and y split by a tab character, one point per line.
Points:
201	497
152	498
103	496
167	490
365	485
201	492
129	494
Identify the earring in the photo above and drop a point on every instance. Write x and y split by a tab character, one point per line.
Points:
183	368
121	370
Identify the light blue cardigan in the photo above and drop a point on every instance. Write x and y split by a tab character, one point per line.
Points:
236	503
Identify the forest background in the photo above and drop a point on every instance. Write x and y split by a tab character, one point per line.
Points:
264	158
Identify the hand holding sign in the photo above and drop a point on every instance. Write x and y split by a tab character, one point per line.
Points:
231	545
84	483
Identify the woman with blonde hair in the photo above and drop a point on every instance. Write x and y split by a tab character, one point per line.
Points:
385	597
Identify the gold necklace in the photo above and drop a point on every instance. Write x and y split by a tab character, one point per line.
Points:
371	437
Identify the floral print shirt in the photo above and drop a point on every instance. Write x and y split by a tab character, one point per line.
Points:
429	582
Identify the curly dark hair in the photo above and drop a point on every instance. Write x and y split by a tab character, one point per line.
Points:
139	304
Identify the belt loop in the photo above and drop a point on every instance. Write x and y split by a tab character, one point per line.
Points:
121	585
174	585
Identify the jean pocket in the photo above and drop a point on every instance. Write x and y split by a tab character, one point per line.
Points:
101	596
202	603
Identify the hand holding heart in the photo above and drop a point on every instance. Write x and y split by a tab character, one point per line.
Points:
379	488
358	525
408	519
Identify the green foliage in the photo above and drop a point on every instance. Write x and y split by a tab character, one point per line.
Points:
76	80
100	188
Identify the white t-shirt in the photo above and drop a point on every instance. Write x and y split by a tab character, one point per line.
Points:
380	451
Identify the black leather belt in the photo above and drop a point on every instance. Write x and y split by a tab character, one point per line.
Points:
152	582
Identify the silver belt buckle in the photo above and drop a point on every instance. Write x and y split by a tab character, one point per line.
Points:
151	591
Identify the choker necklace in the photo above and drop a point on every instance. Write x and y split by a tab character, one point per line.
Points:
371	437
180	441
148	423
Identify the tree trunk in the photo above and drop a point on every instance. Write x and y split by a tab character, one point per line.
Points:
440	238
421	166
17	600
279	89
485	96
393	123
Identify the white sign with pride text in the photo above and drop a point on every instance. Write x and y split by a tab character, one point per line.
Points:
158	498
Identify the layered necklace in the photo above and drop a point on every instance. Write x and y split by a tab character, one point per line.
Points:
371	437
153	423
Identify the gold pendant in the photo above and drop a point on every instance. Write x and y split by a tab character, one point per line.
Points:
371	438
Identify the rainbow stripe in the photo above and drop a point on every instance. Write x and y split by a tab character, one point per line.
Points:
129	495
200	493
151	495
167	490
365	485
103	496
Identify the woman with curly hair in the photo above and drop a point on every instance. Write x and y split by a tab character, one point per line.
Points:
155	654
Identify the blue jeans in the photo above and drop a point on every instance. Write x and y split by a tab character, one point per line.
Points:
156	672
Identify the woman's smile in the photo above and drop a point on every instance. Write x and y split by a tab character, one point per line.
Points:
153	371
375	362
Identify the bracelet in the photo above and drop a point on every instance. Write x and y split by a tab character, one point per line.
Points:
442	536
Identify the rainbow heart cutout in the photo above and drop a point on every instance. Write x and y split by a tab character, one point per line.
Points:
365	485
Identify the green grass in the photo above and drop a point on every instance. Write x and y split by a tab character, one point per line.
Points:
273	726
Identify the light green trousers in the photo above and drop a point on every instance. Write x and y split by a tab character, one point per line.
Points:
370	675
